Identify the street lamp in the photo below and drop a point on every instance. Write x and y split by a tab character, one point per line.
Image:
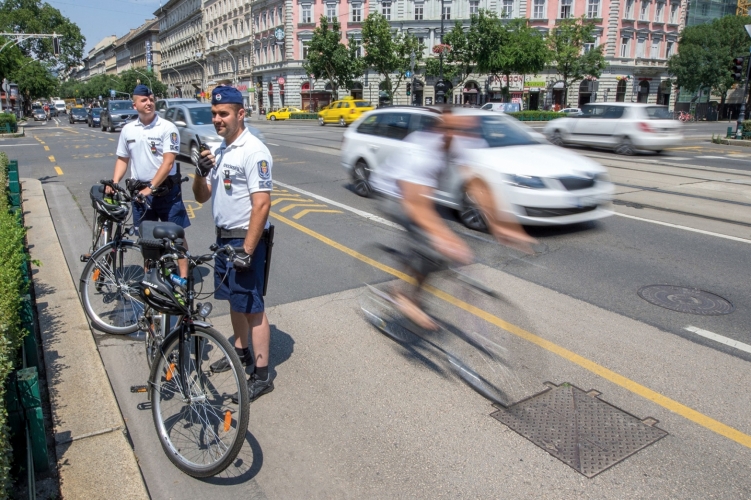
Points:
149	79
234	61
440	87
742	113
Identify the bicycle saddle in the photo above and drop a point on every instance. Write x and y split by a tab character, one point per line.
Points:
160	230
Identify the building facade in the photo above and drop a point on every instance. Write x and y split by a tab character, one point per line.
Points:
181	39
145	49
122	53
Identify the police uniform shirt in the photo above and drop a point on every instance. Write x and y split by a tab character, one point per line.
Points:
145	145
242	168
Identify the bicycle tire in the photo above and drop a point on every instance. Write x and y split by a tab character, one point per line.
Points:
192	430
109	288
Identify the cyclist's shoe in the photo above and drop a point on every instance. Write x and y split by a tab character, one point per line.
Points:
257	388
223	364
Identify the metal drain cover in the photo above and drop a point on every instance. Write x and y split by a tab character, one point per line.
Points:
579	429
686	300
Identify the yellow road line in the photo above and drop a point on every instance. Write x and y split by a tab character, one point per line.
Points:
288	198
46	148
303	213
58	170
616	378
52	159
296	205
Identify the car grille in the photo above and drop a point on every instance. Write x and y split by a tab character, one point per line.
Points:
557	212
576	183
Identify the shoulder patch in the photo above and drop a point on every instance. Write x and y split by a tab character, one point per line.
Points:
264	172
174	139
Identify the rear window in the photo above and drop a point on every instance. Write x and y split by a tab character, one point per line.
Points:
96	111
362	104
78	111
500	133
658	113
369	125
200	116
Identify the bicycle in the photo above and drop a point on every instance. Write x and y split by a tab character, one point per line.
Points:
200	416
686	117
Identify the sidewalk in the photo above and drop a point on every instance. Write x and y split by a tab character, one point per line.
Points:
94	455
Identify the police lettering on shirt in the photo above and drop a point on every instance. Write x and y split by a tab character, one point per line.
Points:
242	168
145	145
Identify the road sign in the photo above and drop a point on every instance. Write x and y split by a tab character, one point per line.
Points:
6	87
112	93
408	74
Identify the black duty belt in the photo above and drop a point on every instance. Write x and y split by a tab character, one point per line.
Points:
237	233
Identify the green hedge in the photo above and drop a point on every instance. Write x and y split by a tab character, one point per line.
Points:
536	116
7	118
303	116
12	262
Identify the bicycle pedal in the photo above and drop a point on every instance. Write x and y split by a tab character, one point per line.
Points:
139	388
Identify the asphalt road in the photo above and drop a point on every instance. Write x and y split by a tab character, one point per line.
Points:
681	219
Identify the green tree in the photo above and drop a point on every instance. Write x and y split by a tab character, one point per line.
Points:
35	79
36	16
100	85
459	58
10	59
130	78
388	51
329	59
71	89
567	45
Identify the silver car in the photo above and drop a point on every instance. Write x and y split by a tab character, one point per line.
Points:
115	114
193	121
162	105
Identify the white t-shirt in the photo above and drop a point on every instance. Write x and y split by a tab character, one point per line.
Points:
145	146
242	168
420	161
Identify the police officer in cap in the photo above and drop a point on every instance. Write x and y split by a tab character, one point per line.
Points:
151	145
237	178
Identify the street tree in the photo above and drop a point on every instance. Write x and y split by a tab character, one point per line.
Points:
35	79
127	81
100	85
571	55
37	16
330	59
388	51
459	56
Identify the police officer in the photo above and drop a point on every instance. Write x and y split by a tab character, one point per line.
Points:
151	145
237	178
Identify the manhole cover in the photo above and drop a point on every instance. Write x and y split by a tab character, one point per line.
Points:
686	300
580	430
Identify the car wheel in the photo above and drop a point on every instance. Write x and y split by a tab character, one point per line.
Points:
470	215
194	153
342	122
625	147
273	118
557	139
321	122
360	176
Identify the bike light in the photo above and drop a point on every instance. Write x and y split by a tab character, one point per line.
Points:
205	309
644	127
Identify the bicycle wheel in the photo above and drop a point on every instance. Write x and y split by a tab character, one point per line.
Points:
109	287
200	428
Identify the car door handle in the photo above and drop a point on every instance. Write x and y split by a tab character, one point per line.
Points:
373	147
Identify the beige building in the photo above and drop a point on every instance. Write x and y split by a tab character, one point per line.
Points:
144	47
122	53
182	45
101	59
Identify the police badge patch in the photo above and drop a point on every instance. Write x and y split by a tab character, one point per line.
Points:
264	172
174	139
153	148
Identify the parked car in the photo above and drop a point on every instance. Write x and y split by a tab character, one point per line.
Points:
502	107
93	117
115	114
39	115
623	127
162	105
571	111
544	184
282	114
77	115
344	112
193	121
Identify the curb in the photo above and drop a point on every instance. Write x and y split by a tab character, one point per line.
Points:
94	455
736	142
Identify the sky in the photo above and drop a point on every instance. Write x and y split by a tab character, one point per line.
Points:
100	18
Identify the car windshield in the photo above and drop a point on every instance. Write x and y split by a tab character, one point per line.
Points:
658	113
362	104
78	111
499	133
96	111
200	116
121	106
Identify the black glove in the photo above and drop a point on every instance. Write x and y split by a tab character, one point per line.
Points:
204	166
241	261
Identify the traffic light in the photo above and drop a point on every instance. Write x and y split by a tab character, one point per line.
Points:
737	69
409	89
56	46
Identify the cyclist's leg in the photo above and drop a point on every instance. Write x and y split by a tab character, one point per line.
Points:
170	208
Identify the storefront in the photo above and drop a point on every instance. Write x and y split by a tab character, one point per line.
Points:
532	92
312	99
248	92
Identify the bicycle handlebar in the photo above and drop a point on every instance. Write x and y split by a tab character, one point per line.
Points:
117	188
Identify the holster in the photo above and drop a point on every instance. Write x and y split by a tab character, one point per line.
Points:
269	235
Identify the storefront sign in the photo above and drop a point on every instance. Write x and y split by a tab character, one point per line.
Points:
280	81
535	84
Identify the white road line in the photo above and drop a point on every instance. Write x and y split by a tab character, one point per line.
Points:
359	212
685	228
272	144
719	338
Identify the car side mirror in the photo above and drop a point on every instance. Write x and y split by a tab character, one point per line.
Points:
180	123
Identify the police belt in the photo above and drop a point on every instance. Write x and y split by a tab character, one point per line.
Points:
237	233
268	235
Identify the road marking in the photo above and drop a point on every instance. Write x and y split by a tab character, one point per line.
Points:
297	205
272	144
303	213
190	209
46	148
685	228
719	338
58	170
52	159
359	212
287	198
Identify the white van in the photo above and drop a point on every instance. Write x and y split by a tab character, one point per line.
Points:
59	106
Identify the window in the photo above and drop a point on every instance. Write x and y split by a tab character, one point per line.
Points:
271	17
538	9
625	52
565	12
588	47
263	21
654	52
358	47
427	122
644	12
658	11
474	7
394	125
418	12
640	45
356	13
620	91
369	125
668	49
386	10
593	9
446	15
307	14
331	11
674	13
507	9
613	112
305	47
704	9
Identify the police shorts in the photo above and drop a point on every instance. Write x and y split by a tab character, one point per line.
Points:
243	289
167	208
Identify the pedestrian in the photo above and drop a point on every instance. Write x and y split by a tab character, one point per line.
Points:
237	179
150	145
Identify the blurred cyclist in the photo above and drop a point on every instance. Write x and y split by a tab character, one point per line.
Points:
406	184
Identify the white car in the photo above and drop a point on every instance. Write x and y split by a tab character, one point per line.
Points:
502	107
571	111
543	184
622	127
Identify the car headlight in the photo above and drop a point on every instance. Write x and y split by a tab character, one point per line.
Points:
526	181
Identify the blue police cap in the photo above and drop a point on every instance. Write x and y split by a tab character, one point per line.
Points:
142	90
226	95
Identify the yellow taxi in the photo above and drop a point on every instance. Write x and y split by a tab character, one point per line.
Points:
344	112
282	114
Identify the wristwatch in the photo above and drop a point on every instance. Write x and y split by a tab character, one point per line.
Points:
153	187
